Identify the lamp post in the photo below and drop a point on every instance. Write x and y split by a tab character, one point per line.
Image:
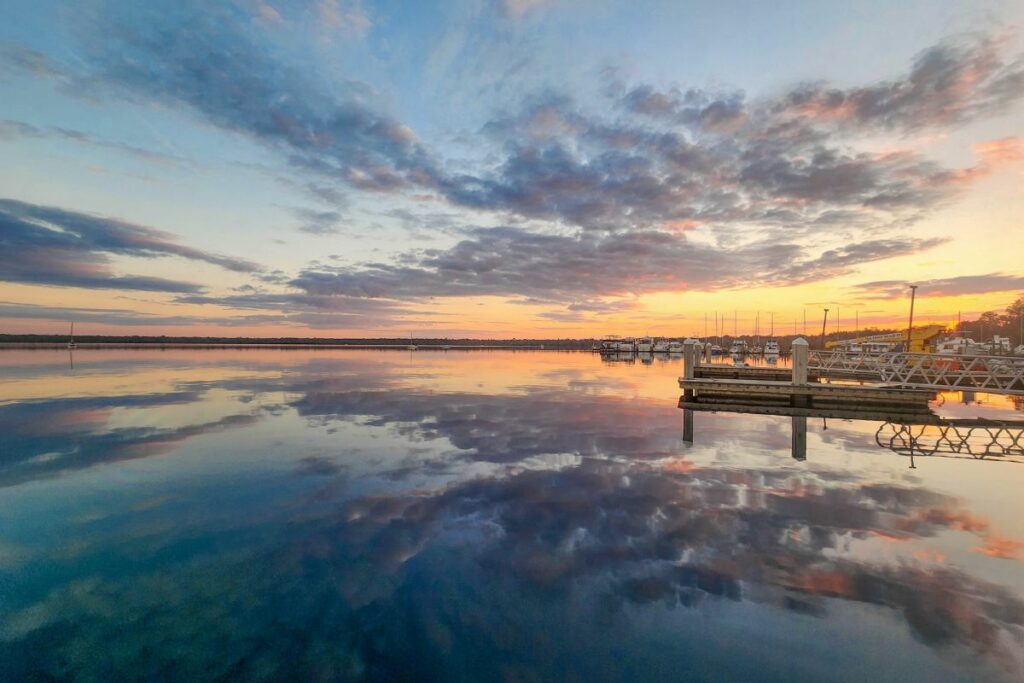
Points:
823	322
910	325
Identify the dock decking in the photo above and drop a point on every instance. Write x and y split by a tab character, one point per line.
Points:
793	388
803	395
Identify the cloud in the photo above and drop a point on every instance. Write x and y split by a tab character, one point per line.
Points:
213	60
127	318
668	189
317	222
347	18
516	9
17	59
951	286
686	157
995	153
51	246
951	83
16	129
296	309
515	262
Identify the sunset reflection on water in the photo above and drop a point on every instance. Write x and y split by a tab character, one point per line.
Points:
386	515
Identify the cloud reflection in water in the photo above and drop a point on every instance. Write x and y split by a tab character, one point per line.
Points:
536	566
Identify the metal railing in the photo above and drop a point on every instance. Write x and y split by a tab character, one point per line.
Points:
992	374
978	439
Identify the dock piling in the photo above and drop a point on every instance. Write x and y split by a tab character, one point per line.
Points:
799	448
800	351
690	360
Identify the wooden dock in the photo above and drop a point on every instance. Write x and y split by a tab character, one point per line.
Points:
792	388
808	395
706	371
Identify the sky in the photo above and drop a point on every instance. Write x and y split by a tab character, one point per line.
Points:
506	168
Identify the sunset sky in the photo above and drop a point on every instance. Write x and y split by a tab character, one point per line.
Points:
492	168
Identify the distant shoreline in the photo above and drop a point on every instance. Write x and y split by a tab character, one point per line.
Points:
25	342
179	345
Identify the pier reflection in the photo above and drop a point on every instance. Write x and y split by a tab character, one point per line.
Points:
907	434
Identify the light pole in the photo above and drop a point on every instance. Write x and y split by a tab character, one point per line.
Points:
823	321
910	325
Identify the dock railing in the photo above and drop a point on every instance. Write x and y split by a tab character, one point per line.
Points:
993	374
979	439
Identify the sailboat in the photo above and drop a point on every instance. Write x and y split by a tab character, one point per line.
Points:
771	347
71	336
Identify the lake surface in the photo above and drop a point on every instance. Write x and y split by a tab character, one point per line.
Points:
489	515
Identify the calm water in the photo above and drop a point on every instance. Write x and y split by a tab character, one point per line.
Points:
326	515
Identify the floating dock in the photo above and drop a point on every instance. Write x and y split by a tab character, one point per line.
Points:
812	395
710	385
706	371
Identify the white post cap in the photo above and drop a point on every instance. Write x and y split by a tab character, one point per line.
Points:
799	341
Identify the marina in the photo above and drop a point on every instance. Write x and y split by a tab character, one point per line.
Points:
513	341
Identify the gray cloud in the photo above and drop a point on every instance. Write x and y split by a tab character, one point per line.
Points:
317	222
51	246
570	269
128	318
959	79
17	129
211	59
694	157
15	59
950	286
950	83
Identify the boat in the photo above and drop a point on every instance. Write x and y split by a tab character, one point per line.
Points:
71	337
644	344
675	347
756	350
625	346
1019	351
1000	344
608	345
661	346
771	348
738	347
716	350
958	344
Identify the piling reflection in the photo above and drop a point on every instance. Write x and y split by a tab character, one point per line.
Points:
358	520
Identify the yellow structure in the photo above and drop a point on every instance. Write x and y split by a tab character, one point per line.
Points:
922	339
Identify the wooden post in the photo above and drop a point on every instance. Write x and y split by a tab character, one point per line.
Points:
799	350
707	351
690	360
799	438
688	425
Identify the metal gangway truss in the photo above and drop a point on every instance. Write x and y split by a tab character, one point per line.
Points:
992	374
977	439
